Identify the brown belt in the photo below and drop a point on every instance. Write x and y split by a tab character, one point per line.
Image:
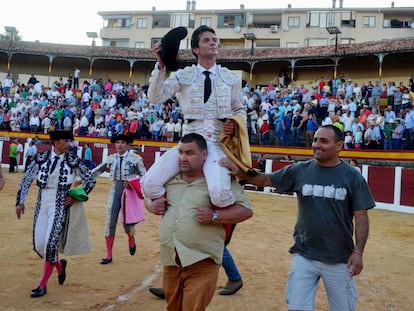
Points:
178	261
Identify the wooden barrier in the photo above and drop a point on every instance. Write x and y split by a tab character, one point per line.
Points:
391	186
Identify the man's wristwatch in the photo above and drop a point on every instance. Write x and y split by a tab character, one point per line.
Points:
214	220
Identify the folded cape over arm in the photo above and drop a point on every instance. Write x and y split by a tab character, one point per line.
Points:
237	147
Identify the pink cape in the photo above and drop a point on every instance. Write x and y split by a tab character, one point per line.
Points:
132	209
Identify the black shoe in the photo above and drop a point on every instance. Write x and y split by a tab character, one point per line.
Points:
132	250
38	292
62	276
231	287
156	291
105	261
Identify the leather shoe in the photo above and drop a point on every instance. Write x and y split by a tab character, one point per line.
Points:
38	292
132	250
231	287
105	261
157	291
62	276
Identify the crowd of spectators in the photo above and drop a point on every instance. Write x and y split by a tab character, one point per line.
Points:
372	116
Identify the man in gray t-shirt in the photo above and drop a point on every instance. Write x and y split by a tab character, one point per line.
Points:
331	196
327	199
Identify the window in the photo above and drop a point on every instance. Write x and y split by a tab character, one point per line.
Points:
115	43
318	19
369	21
292	45
348	23
182	19
348	19
347	40
140	45
122	43
142	23
316	42
229	21
161	21
294	21
264	43
263	20
398	23
154	41
386	23
117	22
206	21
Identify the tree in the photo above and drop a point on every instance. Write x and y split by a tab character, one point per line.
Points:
6	36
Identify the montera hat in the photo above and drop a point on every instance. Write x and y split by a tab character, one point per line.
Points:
126	138
60	134
78	194
170	45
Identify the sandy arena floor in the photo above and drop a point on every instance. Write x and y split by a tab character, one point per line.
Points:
259	246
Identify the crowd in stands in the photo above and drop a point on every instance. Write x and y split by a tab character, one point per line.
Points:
372	116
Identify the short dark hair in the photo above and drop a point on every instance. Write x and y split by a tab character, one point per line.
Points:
339	136
195	138
195	37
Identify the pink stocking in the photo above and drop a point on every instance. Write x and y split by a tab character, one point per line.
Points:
109	244
131	241
47	272
58	266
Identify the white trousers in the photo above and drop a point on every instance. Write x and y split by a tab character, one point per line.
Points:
217	177
45	221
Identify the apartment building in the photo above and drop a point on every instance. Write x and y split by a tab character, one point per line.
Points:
261	28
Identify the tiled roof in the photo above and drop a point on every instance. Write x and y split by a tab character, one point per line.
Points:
361	49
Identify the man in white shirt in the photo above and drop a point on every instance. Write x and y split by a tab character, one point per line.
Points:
210	95
31	152
409	125
86	97
69	96
347	120
19	153
34	123
389	114
76	74
84	122
7	84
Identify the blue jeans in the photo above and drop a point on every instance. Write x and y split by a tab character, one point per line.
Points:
387	144
264	139
408	134
155	135
83	131
87	163
286	137
396	144
296	137
230	267
279	130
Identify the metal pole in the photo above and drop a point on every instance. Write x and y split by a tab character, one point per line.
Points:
336	55
10	47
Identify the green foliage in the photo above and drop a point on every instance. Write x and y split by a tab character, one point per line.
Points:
6	36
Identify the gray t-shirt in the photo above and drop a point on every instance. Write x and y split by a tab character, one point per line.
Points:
327	198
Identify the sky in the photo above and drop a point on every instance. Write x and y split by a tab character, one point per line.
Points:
68	22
